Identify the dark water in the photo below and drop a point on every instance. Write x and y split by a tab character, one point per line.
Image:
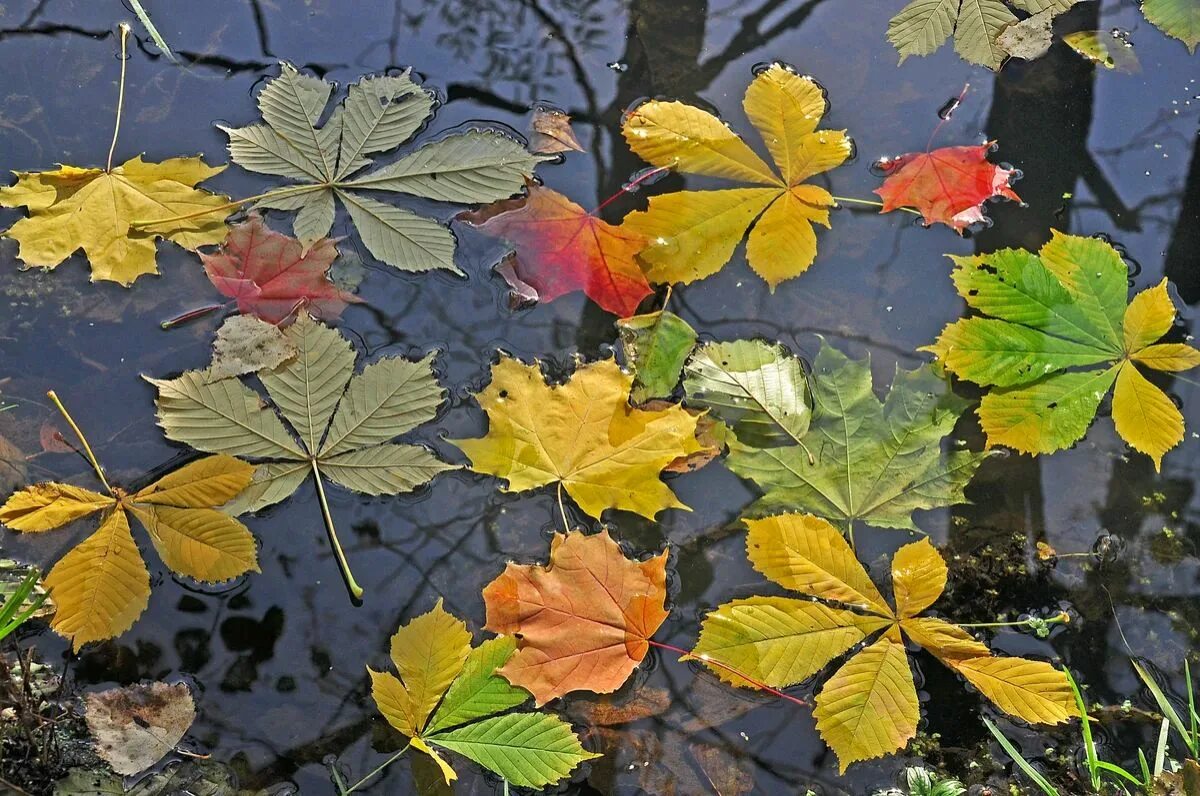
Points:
279	659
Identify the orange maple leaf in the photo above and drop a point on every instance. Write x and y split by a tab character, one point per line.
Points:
583	621
561	248
948	185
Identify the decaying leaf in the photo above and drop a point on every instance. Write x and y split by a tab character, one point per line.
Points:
378	115
582	434
72	208
583	621
450	696
873	462
1030	38
550	132
561	248
1177	18
923	26
1059	333
14	470
692	234
341	424
271	275
245	345
948	185
868	707
136	726
1104	48
656	346
101	586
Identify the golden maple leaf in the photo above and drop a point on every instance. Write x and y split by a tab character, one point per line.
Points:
693	233
868	708
102	586
583	435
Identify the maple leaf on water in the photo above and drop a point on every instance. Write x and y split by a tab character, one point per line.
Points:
378	115
870	461
692	234
452	697
561	248
101	586
868	707
1059	331
583	621
948	185
583	435
341	424
270	274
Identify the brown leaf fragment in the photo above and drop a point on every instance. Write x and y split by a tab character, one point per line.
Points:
550	132
134	727
609	712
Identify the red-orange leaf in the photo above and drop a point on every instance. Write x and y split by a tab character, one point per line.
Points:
269	274
560	248
948	185
582	621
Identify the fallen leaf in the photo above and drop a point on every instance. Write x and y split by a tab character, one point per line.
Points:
582	621
605	711
948	185
868	707
1179	19
378	115
1030	38
876	461
52	440
1045	552
13	468
271	275
923	26
656	346
1104	48
72	208
561	248
550	132
101	586
438	669
136	726
692	234
1055	333
582	434
245	345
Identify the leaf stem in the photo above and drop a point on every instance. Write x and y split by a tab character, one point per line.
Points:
1061	618
630	187
355	590
706	659
124	29
191	315
91	457
852	200
378	769
563	509
286	191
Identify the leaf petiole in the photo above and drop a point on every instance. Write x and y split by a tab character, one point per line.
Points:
852	200
236	203
355	590
378	769
91	457
124	29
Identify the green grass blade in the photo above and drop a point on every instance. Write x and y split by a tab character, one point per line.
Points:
159	42
1121	773
1022	763
1085	727
1193	717
1165	706
1160	752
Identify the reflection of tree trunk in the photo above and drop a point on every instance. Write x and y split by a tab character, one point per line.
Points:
1181	264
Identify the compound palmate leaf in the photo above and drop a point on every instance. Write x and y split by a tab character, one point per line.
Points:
101	586
378	115
1060	335
692	234
863	460
450	696
583	435
341	424
868	707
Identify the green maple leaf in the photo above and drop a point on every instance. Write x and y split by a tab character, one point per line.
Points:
1178	18
379	114
872	461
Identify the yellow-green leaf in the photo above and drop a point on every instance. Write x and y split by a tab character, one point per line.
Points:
1168	356
1033	691
429	653
1148	317
44	507
918	577
1145	417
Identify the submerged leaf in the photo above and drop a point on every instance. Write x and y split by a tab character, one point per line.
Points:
656	345
550	132
136	726
1104	48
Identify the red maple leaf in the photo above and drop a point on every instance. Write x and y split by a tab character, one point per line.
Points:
948	185
560	248
269	274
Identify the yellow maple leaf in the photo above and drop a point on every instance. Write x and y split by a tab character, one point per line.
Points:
101	586
92	209
694	233
868	707
583	435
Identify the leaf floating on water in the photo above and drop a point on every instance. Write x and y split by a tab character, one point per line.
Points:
378	115
245	345
271	275
473	716
656	346
948	185
1177	18
876	462
868	708
582	434
582	621
560	248
550	132
1028	39
1102	47
1060	335
136	726
693	234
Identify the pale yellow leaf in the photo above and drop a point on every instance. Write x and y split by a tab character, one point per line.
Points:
1033	691
1148	317
43	507
947	642
785	108
204	544
918	577
783	244
394	702
1145	417
447	771
1168	356
205	483
429	652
